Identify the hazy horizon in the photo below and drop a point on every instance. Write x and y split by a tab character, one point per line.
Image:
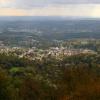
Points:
47	18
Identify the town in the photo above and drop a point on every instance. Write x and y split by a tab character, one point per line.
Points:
35	53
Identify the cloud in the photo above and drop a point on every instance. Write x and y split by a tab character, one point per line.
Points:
12	12
50	8
76	1
6	3
82	10
69	10
28	4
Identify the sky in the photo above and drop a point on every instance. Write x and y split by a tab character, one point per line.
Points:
81	8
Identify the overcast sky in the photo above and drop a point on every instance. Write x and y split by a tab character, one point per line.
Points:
83	8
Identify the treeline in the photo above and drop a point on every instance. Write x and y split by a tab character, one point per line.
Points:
73	78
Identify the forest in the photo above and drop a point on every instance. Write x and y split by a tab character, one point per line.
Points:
72	78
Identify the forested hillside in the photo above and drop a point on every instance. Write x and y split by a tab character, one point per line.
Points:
73	78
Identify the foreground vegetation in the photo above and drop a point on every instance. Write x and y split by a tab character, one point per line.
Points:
73	78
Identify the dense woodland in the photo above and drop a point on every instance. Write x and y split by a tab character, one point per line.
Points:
73	78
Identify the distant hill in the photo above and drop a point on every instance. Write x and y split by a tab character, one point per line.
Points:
43	18
48	28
